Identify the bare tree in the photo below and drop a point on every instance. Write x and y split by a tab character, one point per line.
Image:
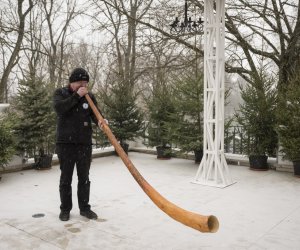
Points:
123	30
265	29
151	18
10	28
58	32
88	56
248	23
33	46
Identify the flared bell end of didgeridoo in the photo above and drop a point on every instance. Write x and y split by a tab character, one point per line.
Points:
213	224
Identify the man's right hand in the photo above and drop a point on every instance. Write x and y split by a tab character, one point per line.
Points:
82	91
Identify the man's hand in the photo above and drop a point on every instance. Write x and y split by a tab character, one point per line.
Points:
82	91
100	123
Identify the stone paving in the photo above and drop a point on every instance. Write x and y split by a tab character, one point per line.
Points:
260	211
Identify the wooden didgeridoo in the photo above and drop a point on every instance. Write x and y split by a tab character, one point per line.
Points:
199	222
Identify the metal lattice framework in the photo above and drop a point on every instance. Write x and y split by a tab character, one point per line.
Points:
213	169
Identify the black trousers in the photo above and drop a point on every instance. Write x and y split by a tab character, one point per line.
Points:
70	155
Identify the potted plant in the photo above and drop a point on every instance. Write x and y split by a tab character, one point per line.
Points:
257	115
35	122
187	120
125	118
160	108
289	123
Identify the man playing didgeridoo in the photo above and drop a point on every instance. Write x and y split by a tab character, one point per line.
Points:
74	142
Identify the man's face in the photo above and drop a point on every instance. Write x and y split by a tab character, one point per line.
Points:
76	85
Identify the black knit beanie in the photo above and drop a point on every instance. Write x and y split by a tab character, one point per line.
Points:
79	74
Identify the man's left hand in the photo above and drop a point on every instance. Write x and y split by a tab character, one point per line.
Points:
100	123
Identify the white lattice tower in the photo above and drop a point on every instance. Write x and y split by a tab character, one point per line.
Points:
213	169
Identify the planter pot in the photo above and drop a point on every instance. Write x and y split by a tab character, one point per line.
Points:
125	147
163	153
43	162
296	165
198	155
258	162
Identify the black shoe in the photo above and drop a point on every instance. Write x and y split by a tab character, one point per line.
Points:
64	216
89	214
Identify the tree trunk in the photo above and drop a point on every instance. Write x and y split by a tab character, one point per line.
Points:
290	60
14	56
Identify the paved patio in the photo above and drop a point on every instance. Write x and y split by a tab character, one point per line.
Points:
260	211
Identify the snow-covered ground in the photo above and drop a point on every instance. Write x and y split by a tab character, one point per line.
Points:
260	211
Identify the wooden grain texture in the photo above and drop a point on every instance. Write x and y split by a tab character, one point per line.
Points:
199	222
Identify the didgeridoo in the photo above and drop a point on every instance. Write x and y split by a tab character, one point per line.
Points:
199	222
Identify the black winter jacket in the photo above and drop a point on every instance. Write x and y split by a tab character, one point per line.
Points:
73	117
